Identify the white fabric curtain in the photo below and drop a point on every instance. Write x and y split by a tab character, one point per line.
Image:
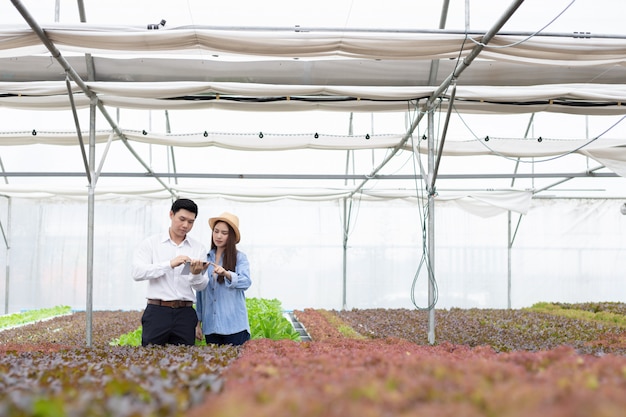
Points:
608	152
601	148
290	43
52	95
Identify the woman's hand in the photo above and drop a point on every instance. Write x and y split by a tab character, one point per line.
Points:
218	269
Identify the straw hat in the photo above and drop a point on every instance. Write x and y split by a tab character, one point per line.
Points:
229	218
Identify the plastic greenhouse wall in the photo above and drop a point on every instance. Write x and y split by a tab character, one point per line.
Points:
566	250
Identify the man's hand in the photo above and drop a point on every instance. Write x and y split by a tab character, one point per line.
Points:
198	266
199	334
179	260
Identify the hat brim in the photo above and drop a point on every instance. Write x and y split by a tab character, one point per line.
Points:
214	220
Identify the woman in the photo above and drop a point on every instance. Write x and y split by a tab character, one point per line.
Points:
221	306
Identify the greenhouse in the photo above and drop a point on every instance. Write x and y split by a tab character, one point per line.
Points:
431	196
372	164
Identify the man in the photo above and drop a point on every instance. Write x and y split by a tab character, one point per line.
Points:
174	266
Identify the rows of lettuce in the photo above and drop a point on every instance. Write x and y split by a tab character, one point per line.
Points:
543	360
46	369
350	364
30	316
63	326
590	328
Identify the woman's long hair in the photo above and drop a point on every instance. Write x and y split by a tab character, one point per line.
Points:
229	257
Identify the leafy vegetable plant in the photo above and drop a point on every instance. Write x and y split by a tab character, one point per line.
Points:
29	316
266	321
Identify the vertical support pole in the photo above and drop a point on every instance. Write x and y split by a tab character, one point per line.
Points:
7	242
344	301
168	129
509	243
90	218
346	224
509	253
431	229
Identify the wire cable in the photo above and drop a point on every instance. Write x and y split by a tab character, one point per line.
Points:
532	35
535	161
423	215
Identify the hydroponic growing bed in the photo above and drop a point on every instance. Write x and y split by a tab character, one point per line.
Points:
556	360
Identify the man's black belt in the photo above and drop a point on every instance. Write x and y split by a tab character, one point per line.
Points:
171	304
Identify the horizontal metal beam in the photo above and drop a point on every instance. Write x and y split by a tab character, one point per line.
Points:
312	176
476	32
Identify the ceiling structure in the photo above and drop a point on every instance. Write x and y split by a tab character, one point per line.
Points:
255	69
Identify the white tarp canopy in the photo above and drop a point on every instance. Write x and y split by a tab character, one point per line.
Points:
278	70
594	99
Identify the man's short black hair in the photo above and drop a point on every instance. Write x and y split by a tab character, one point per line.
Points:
184	203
